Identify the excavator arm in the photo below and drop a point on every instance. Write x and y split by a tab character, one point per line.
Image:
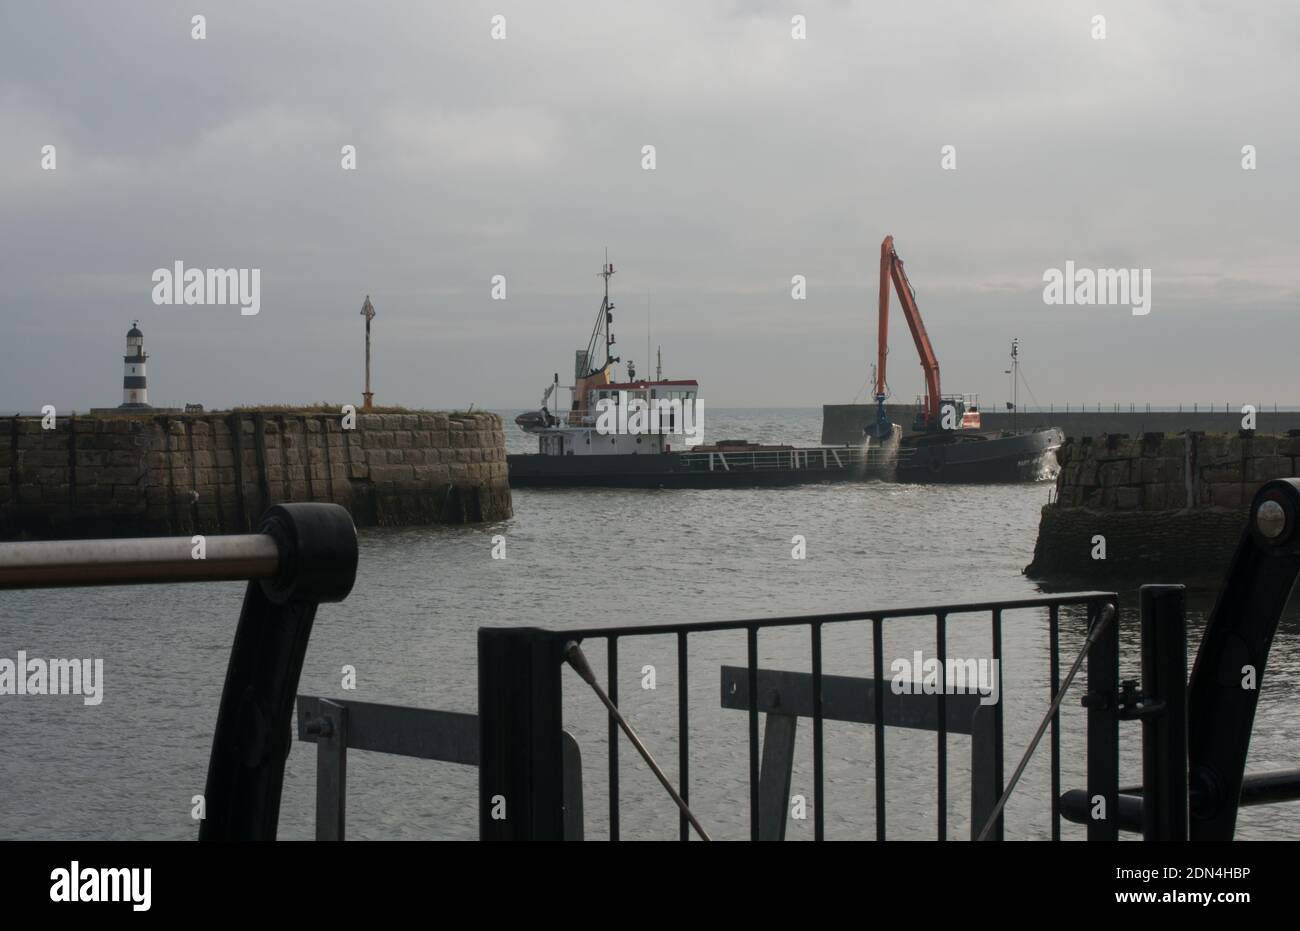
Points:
891	270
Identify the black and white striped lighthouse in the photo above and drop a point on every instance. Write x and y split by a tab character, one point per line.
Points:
135	393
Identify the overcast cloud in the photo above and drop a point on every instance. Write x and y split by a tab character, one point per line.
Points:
522	158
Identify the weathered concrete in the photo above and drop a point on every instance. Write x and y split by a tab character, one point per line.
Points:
844	423
214	473
1170	508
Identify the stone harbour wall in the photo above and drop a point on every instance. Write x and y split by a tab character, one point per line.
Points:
843	423
166	474
1171	508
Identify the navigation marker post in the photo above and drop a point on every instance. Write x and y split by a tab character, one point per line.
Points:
367	396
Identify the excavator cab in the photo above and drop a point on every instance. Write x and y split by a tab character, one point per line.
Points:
956	412
919	424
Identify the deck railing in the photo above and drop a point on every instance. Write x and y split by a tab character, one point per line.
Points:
822	458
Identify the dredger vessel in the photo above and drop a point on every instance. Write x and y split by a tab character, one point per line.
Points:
945	443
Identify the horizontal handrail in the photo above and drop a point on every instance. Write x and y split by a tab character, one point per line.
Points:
64	563
1256	789
339	725
974	607
848	455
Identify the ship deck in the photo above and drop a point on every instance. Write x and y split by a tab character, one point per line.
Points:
708	468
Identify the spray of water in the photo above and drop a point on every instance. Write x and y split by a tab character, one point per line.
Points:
880	457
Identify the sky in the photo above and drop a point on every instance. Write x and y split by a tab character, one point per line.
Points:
522	157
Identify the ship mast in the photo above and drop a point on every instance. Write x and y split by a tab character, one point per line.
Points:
607	308
602	330
1015	382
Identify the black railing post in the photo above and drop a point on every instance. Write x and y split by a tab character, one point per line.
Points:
521	762
1164	728
331	732
1102	701
254	729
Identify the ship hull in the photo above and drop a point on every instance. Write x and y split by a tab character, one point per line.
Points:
979	458
671	470
955	458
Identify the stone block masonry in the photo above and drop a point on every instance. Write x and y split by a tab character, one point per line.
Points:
163	474
1171	508
844	423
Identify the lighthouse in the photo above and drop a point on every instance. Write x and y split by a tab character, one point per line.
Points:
134	390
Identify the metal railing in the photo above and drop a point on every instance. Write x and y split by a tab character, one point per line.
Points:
785	697
1195	732
822	458
520	710
303	555
338	725
1146	407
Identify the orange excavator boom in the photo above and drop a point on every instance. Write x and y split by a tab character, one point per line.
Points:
891	270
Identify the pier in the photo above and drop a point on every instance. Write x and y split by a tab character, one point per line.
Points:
118	474
845	423
1133	507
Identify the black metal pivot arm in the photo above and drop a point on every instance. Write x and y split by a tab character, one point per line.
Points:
317	546
1229	669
